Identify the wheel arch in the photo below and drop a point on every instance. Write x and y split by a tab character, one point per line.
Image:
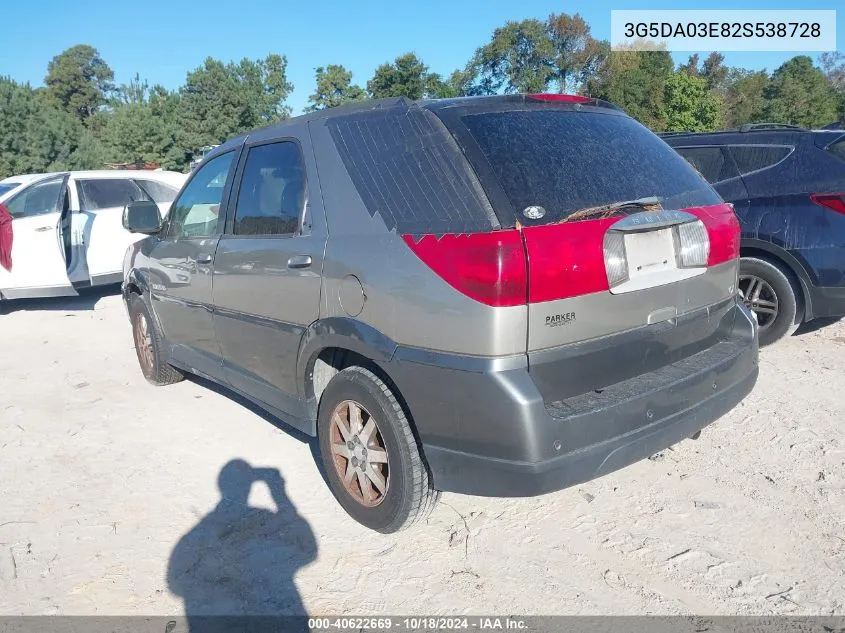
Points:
130	288
134	283
791	265
330	345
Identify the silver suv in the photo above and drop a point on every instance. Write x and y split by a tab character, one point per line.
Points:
497	296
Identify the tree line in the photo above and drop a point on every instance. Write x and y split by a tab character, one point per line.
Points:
80	119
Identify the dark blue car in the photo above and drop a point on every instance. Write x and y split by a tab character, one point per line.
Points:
787	185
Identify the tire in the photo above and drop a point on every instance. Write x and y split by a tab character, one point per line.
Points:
407	495
771	288
155	370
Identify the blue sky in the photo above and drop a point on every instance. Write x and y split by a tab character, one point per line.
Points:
164	40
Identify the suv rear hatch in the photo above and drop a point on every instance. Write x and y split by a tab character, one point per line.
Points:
631	256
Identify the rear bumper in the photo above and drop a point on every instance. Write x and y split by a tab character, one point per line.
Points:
486	429
479	475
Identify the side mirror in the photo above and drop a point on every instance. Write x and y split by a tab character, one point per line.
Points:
142	217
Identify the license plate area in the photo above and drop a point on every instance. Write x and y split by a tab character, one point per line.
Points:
651	259
650	252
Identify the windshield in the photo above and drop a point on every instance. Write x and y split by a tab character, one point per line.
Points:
6	187
552	163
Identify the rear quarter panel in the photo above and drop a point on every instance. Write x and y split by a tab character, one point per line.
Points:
780	211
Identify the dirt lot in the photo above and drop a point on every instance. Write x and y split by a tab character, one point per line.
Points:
109	502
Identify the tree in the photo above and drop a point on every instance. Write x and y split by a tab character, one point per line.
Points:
145	131
136	91
577	54
78	81
222	100
269	77
407	77
334	88
519	58
691	67
130	134
463	83
166	109
37	137
799	94
715	72
745	100
690	105
833	65
438	88
635	81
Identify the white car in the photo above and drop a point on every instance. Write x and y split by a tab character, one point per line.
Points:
68	230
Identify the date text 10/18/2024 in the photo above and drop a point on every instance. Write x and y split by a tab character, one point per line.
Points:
417	623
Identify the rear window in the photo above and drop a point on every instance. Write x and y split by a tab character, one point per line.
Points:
755	157
565	161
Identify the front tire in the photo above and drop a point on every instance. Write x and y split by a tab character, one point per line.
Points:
370	456
149	346
768	291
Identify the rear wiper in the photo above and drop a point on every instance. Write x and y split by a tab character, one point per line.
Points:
607	210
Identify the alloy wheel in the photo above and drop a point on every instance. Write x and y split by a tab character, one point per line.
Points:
759	297
359	454
143	342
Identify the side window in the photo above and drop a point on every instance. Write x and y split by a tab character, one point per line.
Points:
6	187
753	157
194	214
838	149
158	191
272	191
710	162
38	199
109	193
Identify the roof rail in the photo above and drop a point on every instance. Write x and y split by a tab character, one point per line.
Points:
674	133
752	127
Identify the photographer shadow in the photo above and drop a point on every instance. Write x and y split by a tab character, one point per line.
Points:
240	560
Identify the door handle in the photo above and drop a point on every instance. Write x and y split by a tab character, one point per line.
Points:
204	258
299	261
41	229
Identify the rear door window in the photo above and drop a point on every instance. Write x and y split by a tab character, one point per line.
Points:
566	160
751	158
158	191
272	191
109	193
711	162
838	149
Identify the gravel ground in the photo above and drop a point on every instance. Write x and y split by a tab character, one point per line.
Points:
110	502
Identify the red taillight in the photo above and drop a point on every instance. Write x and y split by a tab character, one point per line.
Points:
723	229
542	96
488	267
833	201
566	260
